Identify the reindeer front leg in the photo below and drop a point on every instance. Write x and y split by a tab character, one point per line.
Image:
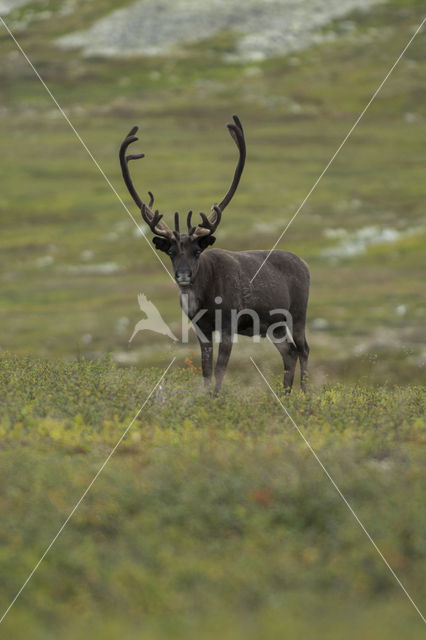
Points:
225	348
206	358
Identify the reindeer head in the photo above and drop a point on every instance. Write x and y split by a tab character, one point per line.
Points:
184	249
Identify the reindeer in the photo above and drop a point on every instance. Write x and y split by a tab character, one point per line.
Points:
243	285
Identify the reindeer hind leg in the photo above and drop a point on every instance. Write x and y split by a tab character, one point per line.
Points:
289	354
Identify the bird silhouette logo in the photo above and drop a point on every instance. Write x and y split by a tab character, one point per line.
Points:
153	320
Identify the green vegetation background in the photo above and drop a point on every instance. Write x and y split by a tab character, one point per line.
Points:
62	224
213	518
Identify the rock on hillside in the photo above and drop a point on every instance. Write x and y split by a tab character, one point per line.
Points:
265	28
8	5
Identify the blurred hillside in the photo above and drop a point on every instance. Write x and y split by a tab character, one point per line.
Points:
72	262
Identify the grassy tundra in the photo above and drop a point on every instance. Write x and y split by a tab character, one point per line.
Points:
213	517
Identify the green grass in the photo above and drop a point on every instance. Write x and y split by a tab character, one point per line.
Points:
296	111
212	517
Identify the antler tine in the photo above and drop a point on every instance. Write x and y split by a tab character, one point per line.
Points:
191	228
210	223
134	156
218	211
177	228
176	232
237	133
206	224
152	220
218	217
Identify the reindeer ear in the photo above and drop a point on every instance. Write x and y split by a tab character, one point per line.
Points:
205	241
162	244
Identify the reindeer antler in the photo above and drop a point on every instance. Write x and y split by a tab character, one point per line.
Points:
211	222
153	220
237	134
